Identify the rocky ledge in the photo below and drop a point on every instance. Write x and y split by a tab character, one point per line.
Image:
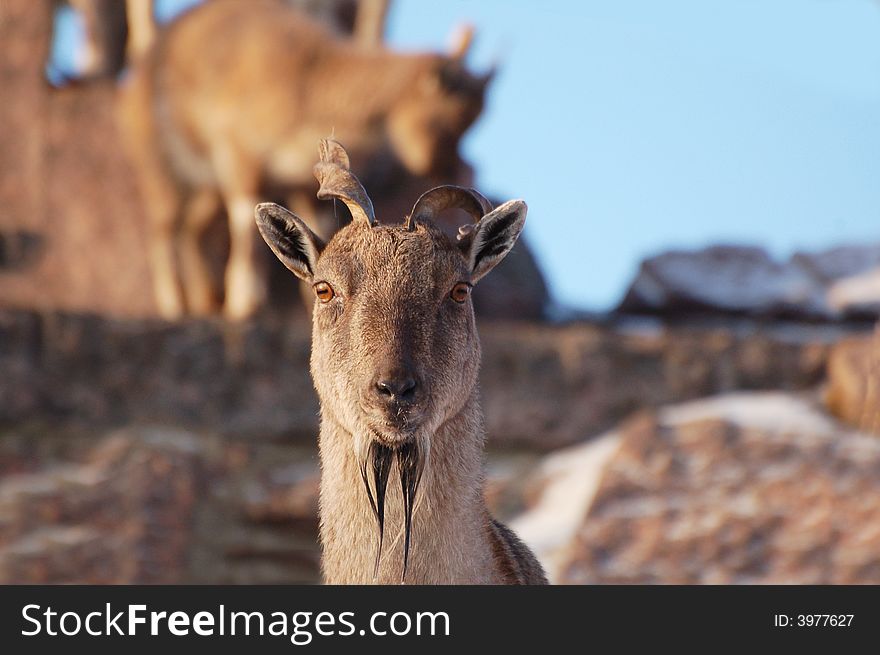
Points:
842	282
543	386
741	488
140	451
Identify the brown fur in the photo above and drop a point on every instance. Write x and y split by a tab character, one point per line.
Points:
513	558
392	318
231	100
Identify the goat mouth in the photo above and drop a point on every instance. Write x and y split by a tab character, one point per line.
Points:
393	437
377	465
393	431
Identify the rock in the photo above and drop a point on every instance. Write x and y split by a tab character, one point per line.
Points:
543	386
741	488
723	278
122	516
550	386
850	276
856	295
562	489
287	493
65	555
853	390
258	521
838	263
156	505
841	282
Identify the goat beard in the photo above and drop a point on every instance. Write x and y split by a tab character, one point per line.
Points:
378	461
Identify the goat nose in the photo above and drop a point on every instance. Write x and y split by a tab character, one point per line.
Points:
401	387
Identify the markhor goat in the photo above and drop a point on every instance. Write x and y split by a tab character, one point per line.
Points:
395	357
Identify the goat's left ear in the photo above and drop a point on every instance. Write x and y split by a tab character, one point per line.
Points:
493	237
290	239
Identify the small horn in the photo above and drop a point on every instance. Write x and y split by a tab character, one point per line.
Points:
460	41
337	181
447	196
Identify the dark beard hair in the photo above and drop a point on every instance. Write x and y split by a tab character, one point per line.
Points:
409	466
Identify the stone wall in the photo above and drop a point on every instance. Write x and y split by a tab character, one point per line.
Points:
744	488
543	386
155	505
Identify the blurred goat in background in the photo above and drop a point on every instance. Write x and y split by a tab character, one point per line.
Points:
119	31
228	106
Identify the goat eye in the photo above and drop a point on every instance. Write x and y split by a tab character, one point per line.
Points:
324	292
460	292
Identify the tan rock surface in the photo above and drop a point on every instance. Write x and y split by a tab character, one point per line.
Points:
741	488
544	386
853	389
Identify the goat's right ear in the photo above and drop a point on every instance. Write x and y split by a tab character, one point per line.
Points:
290	239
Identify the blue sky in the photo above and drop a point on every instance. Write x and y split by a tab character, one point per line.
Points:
631	126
